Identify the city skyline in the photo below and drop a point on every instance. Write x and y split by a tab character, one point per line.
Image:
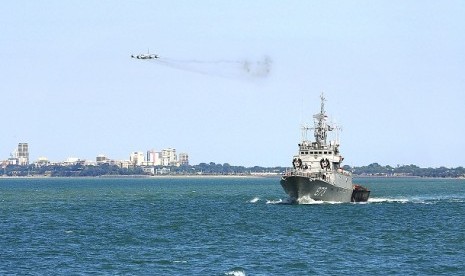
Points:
151	157
234	81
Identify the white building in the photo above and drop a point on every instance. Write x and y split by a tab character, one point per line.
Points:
163	171
168	157
137	158
101	159
20	156
23	154
12	161
42	161
149	170
124	164
71	161
183	159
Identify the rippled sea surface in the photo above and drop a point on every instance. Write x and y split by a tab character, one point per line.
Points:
227	226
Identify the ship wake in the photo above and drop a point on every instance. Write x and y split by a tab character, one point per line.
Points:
418	199
374	200
306	200
387	200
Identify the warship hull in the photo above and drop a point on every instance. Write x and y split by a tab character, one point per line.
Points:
317	172
301	188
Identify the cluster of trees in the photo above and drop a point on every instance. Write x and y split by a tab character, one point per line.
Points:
376	169
106	169
226	169
212	168
69	171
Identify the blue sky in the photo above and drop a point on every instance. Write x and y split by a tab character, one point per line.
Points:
392	72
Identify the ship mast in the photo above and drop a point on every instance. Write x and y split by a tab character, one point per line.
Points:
321	128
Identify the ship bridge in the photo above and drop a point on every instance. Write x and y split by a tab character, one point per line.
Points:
319	156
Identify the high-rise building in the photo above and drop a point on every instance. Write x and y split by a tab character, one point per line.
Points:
168	157
154	158
136	158
183	159
22	154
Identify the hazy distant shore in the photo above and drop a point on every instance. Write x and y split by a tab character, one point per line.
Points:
217	170
202	176
145	176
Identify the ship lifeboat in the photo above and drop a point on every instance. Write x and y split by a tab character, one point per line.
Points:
360	193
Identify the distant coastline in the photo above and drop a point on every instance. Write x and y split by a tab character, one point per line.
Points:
142	176
219	176
215	170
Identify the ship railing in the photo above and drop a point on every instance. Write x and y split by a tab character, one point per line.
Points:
294	172
301	173
346	173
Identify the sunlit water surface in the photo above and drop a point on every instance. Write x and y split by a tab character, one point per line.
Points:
227	226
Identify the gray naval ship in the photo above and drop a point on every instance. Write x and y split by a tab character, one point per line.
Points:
317	173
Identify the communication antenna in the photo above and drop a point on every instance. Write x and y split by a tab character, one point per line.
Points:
305	130
338	128
333	125
304	127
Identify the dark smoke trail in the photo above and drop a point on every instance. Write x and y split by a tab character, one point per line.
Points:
224	68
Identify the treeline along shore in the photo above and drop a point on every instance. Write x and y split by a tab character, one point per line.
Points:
376	169
210	169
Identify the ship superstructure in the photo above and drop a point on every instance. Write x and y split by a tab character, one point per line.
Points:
317	172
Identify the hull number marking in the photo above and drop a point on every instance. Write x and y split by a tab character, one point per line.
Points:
320	191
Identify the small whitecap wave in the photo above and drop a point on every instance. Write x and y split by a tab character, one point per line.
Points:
236	272
437	199
389	200
281	201
254	200
458	200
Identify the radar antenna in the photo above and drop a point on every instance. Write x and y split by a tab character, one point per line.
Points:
321	128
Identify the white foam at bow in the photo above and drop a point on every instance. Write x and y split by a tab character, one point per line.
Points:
254	200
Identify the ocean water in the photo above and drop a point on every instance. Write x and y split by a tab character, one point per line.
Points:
227	226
